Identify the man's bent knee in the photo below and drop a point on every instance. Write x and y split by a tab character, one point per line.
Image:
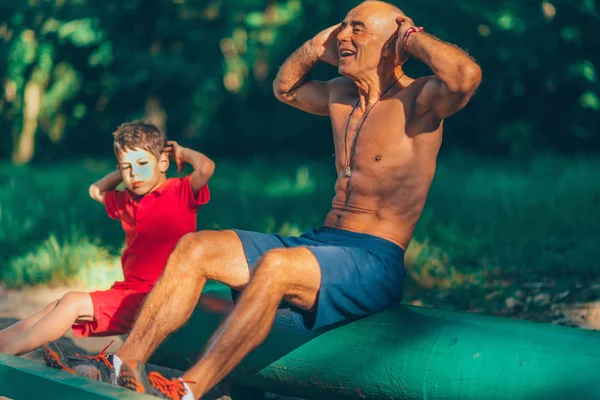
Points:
287	267
273	259
198	245
216	255
294	273
192	244
193	248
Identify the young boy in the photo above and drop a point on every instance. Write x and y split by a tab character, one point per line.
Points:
155	213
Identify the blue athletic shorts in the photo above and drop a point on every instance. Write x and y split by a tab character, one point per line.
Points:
360	274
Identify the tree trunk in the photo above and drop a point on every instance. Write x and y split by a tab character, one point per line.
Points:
155	113
24	145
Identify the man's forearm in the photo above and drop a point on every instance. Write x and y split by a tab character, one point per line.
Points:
294	70
451	65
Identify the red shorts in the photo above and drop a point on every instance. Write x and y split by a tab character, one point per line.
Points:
115	311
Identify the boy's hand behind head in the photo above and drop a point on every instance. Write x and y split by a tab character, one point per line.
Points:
203	166
175	153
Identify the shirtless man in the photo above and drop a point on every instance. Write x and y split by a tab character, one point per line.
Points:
387	130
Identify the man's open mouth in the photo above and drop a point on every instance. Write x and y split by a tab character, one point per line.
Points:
347	53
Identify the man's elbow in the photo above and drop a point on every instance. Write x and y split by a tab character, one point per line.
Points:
470	78
280	93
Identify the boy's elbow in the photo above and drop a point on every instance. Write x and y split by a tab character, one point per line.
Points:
94	191
96	194
208	169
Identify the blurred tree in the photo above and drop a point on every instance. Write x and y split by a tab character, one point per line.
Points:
73	70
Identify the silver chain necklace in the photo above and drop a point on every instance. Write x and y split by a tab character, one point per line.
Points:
347	171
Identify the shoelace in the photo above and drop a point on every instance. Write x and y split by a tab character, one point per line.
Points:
101	357
173	388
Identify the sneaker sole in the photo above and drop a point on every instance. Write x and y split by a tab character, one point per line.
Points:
128	379
54	360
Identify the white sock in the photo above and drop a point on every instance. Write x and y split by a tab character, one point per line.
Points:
117	364
189	395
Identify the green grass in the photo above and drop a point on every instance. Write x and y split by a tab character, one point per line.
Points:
493	236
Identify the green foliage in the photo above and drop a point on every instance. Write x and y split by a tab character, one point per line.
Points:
77	259
43	237
493	227
207	68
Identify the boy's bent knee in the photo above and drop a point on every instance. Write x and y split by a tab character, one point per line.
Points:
79	302
51	306
70	298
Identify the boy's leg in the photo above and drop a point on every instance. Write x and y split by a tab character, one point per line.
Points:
53	325
197	258
22	325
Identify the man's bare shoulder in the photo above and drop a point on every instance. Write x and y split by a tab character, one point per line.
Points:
341	82
419	118
341	88
416	85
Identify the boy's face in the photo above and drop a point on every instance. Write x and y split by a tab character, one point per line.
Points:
141	171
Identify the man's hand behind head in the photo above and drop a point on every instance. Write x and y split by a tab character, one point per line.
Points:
404	24
325	45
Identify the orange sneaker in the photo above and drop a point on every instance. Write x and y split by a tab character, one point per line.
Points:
133	376
98	368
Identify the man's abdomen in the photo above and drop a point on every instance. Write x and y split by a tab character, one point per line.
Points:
381	223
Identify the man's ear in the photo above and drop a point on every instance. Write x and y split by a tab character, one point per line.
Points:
389	48
163	163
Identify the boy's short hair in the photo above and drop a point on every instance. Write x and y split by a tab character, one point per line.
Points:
139	135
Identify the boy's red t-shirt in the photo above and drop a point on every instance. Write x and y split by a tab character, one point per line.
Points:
153	225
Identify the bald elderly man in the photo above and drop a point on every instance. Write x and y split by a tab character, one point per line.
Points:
387	130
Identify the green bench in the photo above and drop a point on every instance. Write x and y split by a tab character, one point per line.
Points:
25	379
403	353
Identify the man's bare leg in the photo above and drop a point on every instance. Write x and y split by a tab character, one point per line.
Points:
197	257
293	274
